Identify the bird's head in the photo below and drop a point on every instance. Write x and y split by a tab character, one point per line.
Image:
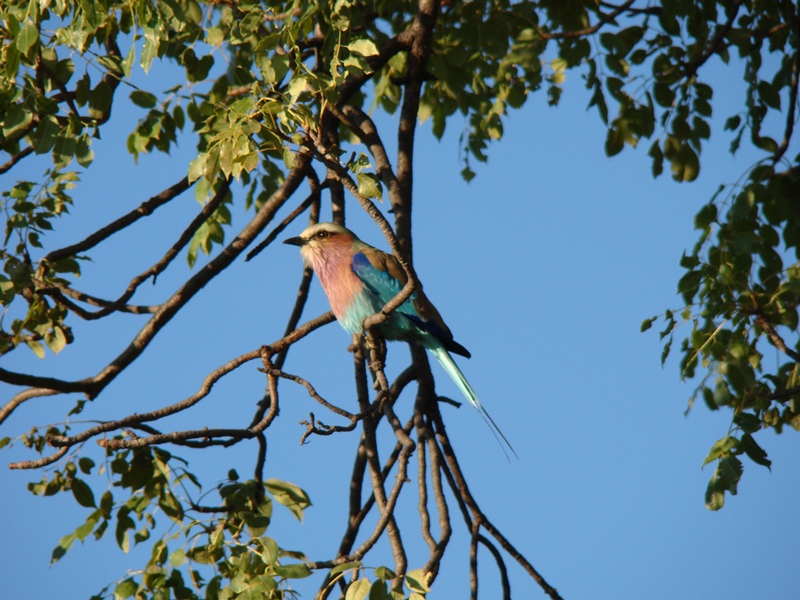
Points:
322	238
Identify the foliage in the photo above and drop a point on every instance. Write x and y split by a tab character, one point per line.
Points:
276	99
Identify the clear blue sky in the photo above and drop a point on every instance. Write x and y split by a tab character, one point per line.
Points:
544	267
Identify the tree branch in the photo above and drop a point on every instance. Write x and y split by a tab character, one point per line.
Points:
421	32
790	116
589	30
153	271
715	43
145	209
462	490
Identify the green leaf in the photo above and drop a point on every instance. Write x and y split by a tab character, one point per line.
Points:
748	422
689	284
769	94
721	447
615	138
64	544
647	324
685	164
152	44
358	590
56	339
271	550
658	158
84	530
706	216
177	558
16	120
293	571
106	503
171	507
732	123
726	479
86	465
37	348
384	573
197	167
417	581
143	99
83	151
379	591
345	567
127	64
755	452
288	494
28	36
44	136
203	555
125	589
364	47
369	185
100	100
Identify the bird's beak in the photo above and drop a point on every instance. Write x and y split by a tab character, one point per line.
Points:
296	241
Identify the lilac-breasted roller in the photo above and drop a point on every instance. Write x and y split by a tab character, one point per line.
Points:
359	280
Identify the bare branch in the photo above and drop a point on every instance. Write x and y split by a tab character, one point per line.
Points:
205	389
313	198
9	164
234	434
775	338
473	559
145	209
421	33
137	419
42	462
162	264
21	397
313	393
360	124
422	481
60	294
501	565
432	566
462	490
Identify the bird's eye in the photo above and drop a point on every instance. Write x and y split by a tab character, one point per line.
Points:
322	235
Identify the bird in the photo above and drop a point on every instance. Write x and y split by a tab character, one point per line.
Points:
359	280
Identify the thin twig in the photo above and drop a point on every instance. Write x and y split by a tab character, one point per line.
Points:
9	164
775	338
159	267
312	198
143	210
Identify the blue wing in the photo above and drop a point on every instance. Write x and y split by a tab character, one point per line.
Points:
385	287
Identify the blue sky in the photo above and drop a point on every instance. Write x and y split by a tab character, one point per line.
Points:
543	267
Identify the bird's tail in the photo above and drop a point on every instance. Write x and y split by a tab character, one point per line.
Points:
451	368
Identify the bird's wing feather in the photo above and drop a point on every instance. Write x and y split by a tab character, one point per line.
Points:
385	277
